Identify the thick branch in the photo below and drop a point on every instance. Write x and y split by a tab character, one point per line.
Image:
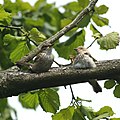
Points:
51	40
16	82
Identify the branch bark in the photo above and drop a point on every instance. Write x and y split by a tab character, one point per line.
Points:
16	82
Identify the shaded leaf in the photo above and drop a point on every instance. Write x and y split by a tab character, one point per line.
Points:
49	100
6	110
3	104
100	21
29	100
109	41
78	115
85	21
87	111
109	84
102	9
64	114
116	91
20	51
65	49
93	29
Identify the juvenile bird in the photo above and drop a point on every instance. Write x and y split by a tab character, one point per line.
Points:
43	61
84	60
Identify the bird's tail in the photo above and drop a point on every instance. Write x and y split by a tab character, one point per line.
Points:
96	87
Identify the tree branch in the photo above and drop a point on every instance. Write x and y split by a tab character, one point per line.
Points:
51	40
16	82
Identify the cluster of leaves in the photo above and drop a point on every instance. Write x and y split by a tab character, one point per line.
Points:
23	27
48	99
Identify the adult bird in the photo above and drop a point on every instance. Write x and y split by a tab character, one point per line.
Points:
84	60
42	62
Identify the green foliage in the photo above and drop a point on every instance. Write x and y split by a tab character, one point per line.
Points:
5	17
5	110
29	100
102	9
20	51
48	99
23	26
65	49
117	91
83	3
106	111
100	21
109	84
109	41
79	112
36	35
64	114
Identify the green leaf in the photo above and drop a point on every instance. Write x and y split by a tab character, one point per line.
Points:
11	41
36	35
5	17
20	51
3	104
65	22
93	29
105	109
78	115
73	6
83	3
49	100
109	41
87	111
29	100
65	49
109	84
116	91
19	5
102	9
64	114
100	21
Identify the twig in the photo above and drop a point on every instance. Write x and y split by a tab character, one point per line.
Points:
13	27
91	43
73	97
55	37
